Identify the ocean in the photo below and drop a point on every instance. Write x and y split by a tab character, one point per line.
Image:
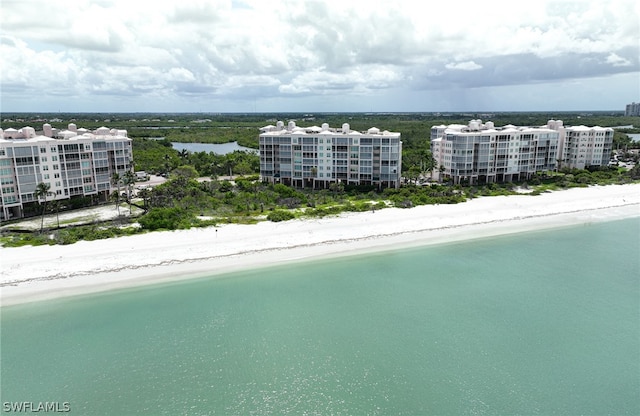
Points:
537	323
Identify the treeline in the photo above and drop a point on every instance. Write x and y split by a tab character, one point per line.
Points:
415	128
245	136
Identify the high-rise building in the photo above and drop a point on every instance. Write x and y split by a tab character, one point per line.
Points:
632	110
581	146
482	153
73	162
319	156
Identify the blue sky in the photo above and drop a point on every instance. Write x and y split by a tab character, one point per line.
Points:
312	56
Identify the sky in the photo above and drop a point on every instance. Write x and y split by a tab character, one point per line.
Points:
216	56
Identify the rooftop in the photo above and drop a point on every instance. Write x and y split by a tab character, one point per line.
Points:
291	129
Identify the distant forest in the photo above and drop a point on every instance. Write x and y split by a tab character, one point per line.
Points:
243	128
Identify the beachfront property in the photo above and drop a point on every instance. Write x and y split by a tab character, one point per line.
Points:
316	157
582	147
74	162
483	153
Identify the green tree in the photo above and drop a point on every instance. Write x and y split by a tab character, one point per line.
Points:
185	171
56	205
145	194
413	174
117	181
41	193
129	180
184	155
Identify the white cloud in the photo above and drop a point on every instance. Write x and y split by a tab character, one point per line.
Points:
232	49
616	60
180	75
464	66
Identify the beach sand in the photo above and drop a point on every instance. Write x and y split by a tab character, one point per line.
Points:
44	272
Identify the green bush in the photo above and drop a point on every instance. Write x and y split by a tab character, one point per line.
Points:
323	212
167	219
280	215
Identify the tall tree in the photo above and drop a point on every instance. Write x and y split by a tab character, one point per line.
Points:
184	155
56	205
42	192
129	179
117	181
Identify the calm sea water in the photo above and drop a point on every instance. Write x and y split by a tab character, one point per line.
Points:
537	323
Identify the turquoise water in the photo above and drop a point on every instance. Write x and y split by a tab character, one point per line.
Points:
537	323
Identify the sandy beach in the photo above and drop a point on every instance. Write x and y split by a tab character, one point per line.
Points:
36	273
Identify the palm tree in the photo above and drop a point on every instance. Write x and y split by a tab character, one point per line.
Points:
129	180
116	180
167	165
314	173
184	155
56	205
145	194
42	192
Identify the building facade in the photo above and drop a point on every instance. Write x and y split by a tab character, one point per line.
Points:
632	110
483	153
71	163
319	156
581	146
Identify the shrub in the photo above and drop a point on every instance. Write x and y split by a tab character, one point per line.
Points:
280	215
323	212
166	218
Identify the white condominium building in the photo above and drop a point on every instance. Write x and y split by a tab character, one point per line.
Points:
581	146
483	153
318	156
73	162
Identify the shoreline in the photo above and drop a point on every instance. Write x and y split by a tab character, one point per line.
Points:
30	274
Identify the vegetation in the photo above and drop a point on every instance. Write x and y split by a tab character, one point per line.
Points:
280	215
183	202
42	193
157	156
